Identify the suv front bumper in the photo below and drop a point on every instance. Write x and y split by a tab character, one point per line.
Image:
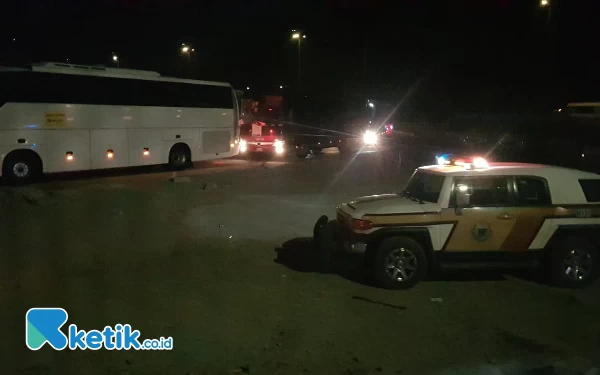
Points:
331	236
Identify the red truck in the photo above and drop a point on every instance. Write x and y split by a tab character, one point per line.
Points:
260	137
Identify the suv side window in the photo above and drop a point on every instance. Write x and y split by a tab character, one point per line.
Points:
591	189
532	191
490	191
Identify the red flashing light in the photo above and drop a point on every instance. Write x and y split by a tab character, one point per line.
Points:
389	129
361	224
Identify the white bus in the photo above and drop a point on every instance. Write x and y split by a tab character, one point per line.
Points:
60	117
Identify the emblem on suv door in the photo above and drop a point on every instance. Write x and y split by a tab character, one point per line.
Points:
481	232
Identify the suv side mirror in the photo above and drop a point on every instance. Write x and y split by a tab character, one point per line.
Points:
463	196
462	199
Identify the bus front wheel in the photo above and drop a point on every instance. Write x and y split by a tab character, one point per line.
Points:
21	167
179	157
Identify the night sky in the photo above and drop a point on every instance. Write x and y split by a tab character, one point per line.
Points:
496	56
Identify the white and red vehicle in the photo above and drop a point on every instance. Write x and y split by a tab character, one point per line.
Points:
260	137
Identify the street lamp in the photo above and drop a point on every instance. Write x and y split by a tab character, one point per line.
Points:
296	35
115	59
544	3
187	50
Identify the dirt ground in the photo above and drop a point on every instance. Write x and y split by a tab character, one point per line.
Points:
221	261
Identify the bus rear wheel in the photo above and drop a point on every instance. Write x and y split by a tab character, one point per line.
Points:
21	167
179	157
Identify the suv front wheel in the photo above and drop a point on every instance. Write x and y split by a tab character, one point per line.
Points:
400	263
573	262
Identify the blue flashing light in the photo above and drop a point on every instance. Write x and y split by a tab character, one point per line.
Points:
444	159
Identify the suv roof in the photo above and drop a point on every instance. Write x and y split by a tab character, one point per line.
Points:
563	183
513	169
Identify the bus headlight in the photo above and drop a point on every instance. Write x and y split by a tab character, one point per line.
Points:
243	145
278	146
370	138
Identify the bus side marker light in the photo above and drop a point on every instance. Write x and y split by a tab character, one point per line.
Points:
69	155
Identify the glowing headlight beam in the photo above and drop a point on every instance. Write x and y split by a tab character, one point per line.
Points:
370	138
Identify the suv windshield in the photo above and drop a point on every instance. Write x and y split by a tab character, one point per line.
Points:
424	186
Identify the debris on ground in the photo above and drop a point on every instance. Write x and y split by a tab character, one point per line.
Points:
241	370
178	180
209	185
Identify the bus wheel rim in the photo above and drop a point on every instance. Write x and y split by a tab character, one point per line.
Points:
179	158
20	169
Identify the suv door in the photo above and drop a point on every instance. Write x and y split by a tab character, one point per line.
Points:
534	204
484	209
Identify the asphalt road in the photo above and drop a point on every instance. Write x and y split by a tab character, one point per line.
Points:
220	260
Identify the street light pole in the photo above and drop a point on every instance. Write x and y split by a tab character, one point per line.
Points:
299	36
187	50
299	61
545	4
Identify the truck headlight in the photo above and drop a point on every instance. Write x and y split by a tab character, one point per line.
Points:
278	146
370	138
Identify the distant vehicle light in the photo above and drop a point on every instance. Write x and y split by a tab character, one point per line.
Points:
370	138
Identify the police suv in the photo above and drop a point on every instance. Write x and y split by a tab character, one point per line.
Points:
465	211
